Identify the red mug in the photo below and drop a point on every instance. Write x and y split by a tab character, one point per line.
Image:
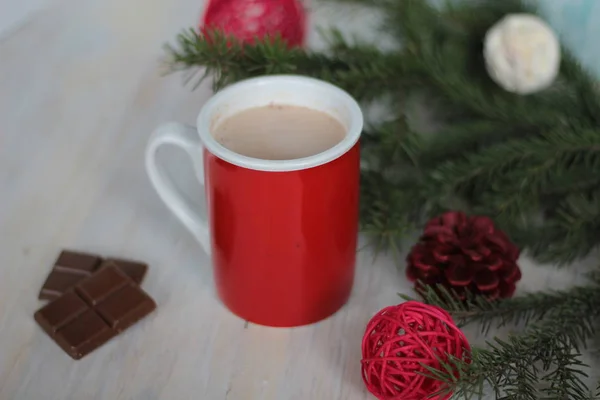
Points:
281	233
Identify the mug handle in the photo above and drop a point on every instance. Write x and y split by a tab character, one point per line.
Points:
186	138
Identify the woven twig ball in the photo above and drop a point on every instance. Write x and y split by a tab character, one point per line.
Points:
398	339
248	20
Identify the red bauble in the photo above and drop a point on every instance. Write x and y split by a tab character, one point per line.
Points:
247	20
465	253
398	340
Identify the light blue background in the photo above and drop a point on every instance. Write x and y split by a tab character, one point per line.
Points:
578	24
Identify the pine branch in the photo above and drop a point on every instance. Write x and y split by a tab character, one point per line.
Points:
540	362
537	363
585	87
225	60
369	73
458	138
393	144
380	220
361	69
570	233
566	379
575	179
512	371
527	309
560	146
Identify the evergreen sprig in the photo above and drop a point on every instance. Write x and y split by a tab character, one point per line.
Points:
543	361
532	163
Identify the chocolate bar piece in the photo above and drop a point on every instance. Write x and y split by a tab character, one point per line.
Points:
134	269
71	267
94	311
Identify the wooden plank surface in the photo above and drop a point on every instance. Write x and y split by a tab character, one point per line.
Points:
80	92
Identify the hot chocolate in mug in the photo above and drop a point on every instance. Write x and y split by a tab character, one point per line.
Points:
281	234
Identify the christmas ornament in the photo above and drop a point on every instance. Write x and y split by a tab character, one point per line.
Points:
465	253
398	339
522	53
248	20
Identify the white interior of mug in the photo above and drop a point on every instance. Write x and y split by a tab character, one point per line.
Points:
282	90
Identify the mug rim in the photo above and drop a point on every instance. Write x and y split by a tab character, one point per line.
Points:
353	131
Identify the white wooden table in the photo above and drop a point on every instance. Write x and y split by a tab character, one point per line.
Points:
80	91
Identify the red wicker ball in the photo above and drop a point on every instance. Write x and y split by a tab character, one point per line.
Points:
398	339
247	20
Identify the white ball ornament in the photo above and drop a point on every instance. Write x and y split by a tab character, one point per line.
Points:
522	54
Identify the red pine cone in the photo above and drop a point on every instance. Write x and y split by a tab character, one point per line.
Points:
465	254
250	19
